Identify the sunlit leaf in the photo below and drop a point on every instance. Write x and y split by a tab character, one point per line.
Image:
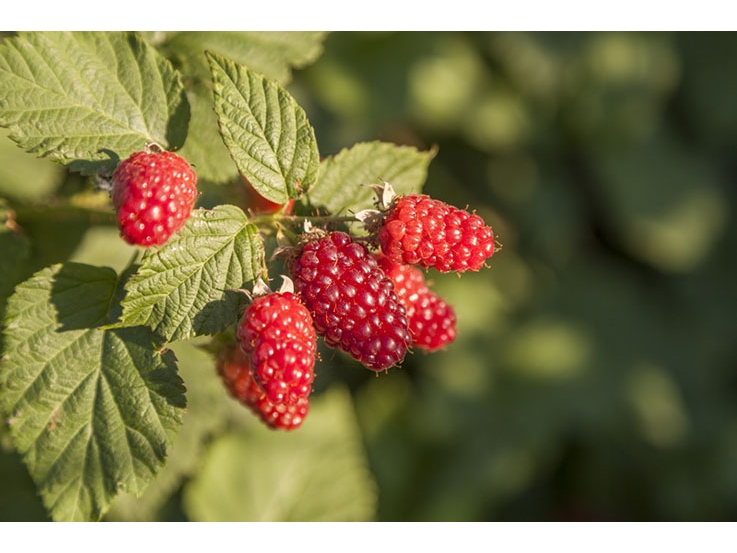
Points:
267	133
343	177
89	99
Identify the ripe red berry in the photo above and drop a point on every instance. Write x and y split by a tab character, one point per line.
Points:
419	230
257	204
277	335
432	322
353	303
234	369
153	194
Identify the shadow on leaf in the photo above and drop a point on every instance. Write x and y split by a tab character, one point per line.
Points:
217	315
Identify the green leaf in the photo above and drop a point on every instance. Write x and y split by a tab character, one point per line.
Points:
89	99
92	411
342	177
205	149
207	413
318	472
271	53
267	133
186	287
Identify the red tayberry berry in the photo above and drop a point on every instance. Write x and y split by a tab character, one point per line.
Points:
432	322
419	230
153	195
353	303
235	370
277	335
283	416
257	204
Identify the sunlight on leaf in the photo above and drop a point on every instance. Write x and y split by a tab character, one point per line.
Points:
89	99
267	133
343	177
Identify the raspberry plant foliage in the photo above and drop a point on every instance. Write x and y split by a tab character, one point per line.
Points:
89	385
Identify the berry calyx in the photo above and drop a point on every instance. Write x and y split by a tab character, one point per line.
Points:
353	303
419	230
432	322
235	370
153	192
278	337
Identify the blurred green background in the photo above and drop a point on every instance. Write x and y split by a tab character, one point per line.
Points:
594	376
595	371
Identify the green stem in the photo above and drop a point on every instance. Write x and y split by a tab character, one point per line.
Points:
291	236
300	219
63	212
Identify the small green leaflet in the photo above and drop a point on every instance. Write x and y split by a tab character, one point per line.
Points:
318	472
92	411
268	135
342	178
88	99
187	287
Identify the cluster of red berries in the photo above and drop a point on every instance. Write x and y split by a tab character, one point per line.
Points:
373	306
